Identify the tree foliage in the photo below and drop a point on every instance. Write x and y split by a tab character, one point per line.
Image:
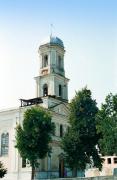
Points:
3	171
34	135
107	125
79	143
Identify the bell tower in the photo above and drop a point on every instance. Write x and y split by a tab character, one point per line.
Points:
51	80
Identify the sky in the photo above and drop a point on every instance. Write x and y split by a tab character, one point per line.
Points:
88	29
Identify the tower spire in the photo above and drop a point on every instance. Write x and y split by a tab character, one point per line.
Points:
51	29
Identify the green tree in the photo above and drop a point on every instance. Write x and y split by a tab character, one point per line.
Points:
3	171
79	143
107	125
34	135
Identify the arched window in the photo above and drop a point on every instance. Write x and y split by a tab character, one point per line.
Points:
60	90
4	144
45	90
61	130
59	62
45	61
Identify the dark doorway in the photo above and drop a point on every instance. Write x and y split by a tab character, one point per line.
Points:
61	168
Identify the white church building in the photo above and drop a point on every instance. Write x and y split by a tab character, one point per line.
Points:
51	93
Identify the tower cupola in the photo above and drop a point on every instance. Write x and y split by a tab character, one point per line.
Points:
52	40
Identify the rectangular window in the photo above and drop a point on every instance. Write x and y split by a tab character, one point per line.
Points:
23	163
115	160
103	160
109	160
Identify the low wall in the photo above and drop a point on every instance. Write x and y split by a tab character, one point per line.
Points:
90	178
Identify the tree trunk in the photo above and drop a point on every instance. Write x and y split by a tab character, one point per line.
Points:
33	173
74	172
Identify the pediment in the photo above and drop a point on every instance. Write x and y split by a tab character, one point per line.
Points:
60	109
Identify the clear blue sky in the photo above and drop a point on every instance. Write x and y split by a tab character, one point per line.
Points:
88	29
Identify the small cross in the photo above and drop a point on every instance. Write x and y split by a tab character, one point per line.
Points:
51	28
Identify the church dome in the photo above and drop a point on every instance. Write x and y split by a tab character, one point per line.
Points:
53	40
